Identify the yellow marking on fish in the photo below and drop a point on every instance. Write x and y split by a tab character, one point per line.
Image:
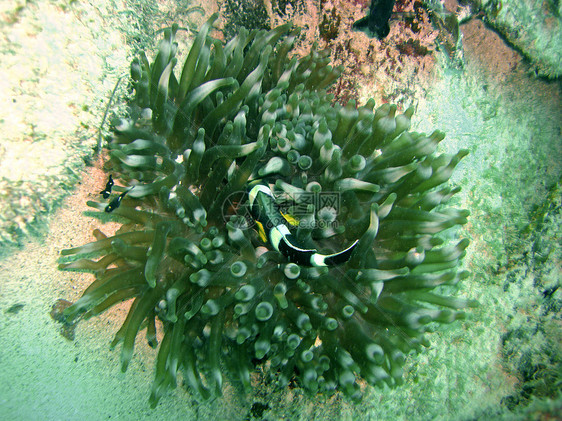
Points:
261	232
290	219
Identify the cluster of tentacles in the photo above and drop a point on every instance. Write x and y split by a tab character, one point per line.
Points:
202	281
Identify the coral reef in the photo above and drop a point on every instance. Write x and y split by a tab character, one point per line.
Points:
530	27
202	282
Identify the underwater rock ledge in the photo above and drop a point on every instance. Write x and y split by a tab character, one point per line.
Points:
188	254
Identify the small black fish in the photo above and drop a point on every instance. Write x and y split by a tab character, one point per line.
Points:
114	204
107	191
375	24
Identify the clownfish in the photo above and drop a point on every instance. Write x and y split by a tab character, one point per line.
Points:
107	191
114	204
265	210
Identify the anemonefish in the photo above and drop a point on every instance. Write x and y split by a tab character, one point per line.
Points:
114	204
107	191
265	211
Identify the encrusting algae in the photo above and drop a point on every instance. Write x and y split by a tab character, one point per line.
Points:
190	254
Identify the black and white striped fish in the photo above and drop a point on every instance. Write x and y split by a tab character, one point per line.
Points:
265	210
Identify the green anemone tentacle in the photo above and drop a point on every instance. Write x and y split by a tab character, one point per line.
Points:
189	254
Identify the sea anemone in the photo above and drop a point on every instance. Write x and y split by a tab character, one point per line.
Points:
204	283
